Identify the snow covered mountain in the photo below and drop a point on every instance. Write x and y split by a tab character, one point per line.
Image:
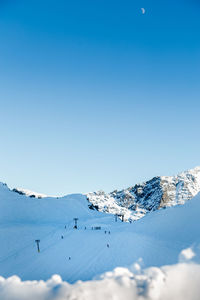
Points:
159	192
98	245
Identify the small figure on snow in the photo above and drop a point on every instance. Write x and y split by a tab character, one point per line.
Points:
62	237
108	245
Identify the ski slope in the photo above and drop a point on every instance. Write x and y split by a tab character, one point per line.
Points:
157	239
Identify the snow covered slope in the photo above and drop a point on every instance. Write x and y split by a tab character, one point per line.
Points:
87	251
134	202
19	208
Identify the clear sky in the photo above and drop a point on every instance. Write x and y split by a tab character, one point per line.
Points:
95	94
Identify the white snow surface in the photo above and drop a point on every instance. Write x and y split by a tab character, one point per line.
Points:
157	239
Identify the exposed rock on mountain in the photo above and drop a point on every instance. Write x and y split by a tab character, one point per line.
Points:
29	193
159	192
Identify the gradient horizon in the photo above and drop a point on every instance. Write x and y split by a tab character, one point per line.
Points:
96	95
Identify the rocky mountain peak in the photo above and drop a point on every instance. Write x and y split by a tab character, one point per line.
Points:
159	192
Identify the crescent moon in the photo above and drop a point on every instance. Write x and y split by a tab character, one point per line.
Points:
143	10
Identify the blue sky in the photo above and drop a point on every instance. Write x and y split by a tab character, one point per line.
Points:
96	95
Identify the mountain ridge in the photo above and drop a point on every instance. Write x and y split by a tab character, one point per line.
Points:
159	192
134	202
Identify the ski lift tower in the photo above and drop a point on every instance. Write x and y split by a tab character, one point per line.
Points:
75	223
38	245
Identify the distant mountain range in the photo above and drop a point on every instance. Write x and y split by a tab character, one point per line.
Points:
159	192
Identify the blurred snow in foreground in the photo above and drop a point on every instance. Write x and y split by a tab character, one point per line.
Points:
178	282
